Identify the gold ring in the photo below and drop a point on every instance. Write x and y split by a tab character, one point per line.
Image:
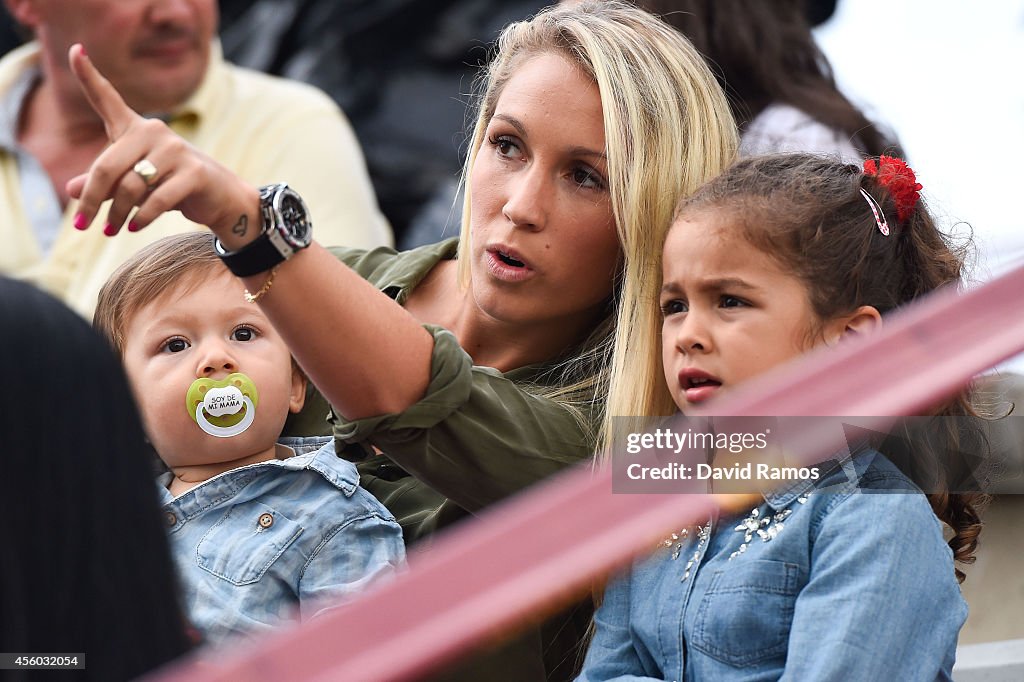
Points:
147	171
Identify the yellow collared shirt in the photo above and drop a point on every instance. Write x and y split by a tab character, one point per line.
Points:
265	129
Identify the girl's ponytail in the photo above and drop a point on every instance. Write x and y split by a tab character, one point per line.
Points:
929	261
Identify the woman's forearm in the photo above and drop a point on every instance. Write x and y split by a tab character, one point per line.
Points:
365	353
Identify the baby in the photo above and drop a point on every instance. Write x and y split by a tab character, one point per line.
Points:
262	530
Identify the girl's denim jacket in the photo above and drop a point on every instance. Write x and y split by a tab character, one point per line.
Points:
277	540
852	580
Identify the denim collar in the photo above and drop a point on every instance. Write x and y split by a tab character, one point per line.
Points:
315	453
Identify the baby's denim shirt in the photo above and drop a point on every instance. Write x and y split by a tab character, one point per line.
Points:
853	582
277	540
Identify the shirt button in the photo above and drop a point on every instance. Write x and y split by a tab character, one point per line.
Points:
266	520
170	518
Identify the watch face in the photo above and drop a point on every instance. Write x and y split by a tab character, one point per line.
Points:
295	220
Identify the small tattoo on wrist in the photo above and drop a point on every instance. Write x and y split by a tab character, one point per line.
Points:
242	226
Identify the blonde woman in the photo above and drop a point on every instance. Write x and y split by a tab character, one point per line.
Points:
477	366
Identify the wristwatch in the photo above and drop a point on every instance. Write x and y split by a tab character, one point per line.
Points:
286	229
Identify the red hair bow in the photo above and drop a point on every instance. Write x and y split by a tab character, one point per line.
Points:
899	179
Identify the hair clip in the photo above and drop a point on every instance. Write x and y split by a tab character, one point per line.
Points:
883	226
225	407
899	180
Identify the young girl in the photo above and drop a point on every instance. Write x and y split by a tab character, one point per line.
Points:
780	254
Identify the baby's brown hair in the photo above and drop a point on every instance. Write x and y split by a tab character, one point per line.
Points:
148	274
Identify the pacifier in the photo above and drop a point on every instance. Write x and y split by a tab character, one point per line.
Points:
224	407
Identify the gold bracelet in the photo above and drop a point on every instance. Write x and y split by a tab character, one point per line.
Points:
267	283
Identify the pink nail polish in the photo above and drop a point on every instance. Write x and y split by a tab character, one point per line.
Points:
79	221
133	226
109	230
84	53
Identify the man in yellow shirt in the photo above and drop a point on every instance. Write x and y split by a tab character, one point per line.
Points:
162	56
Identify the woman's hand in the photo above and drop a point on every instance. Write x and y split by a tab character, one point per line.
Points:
384	366
185	179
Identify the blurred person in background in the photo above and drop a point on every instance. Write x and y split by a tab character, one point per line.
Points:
779	83
381	60
10	37
162	55
87	568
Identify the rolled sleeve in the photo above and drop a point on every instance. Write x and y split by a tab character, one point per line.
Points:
476	436
449	389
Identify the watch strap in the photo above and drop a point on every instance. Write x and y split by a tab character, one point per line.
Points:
269	248
257	256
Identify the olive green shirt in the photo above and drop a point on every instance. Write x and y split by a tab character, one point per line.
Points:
477	436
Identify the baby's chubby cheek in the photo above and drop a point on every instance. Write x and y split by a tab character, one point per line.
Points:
173	434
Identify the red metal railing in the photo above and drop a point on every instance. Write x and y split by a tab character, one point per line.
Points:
537	551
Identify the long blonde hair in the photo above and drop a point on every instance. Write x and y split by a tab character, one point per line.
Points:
668	129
